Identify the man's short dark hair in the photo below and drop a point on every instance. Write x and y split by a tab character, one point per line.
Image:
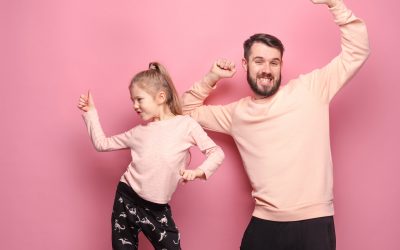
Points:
269	40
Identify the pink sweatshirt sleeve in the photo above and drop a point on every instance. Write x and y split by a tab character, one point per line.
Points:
99	140
214	154
215	118
327	81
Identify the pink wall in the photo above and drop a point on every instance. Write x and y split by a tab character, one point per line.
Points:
56	191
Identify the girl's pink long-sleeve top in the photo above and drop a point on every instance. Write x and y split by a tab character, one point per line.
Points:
159	150
284	140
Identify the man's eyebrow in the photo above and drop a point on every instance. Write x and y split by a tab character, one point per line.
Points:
257	58
276	59
262	58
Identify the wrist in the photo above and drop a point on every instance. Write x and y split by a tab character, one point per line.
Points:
90	109
211	78
333	3
200	173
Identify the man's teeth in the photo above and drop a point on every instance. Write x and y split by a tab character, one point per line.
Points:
265	80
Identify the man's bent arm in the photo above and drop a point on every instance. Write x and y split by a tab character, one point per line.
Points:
215	118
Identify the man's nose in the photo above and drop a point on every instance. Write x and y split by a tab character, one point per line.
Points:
266	69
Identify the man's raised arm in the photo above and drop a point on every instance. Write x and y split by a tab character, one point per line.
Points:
214	118
327	81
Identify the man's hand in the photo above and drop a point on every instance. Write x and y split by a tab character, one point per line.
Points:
86	102
221	68
330	3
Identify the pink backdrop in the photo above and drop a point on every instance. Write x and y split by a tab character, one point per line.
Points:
57	191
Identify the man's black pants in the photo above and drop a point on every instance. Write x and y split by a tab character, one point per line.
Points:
312	234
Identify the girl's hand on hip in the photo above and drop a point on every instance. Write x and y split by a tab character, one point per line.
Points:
190	175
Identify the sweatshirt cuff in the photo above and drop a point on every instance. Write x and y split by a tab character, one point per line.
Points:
90	114
210	166
208	85
340	13
202	89
207	174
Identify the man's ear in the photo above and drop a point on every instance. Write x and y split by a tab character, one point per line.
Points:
244	64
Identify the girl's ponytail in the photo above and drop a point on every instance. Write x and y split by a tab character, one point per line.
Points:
173	100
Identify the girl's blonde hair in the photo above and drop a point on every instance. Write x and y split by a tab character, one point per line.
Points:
156	79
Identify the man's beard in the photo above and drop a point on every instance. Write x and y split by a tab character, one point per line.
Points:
264	91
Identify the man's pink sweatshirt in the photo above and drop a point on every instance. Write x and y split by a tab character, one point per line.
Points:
284	140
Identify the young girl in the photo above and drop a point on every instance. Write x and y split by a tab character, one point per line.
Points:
160	154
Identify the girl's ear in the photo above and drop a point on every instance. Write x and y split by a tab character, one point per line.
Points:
161	97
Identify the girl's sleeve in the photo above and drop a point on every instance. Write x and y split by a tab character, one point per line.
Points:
214	154
99	140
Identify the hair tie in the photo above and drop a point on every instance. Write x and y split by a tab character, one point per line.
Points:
153	66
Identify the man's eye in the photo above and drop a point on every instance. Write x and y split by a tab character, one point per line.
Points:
275	63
